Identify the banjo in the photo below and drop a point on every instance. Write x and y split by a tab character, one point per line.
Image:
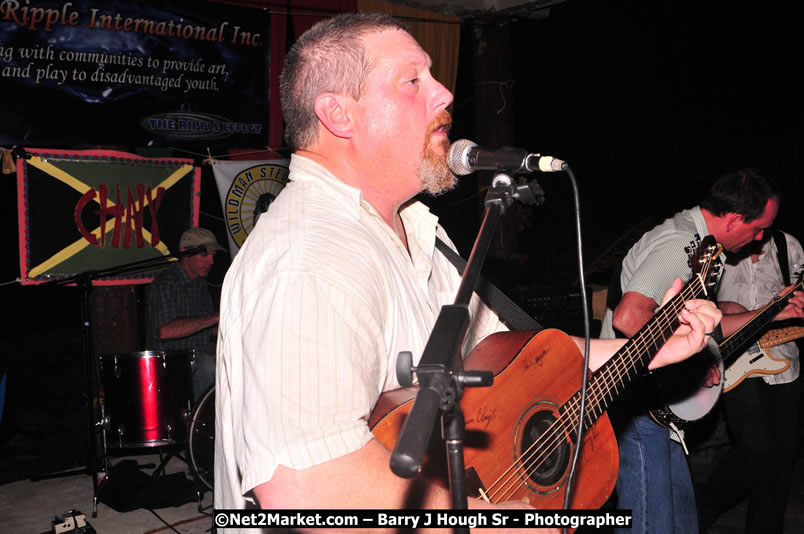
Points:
688	400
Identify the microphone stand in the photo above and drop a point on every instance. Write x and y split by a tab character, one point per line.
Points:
92	377
440	371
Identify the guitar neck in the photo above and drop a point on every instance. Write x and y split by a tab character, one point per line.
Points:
612	377
780	335
731	346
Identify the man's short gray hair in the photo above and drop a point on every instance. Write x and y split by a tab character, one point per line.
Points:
329	57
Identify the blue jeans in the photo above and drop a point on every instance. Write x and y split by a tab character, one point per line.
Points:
654	480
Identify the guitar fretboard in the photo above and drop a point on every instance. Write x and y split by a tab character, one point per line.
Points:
780	335
731	346
606	384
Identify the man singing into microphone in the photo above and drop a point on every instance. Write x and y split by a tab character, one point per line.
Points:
180	311
341	274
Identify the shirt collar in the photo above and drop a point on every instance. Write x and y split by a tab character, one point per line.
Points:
420	227
420	223
701	228
304	169
182	274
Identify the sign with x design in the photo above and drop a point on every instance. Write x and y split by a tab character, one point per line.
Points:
101	211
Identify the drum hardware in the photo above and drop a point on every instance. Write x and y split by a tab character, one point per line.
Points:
187	414
92	380
202	440
103	424
148	402
166	456
102	427
148	396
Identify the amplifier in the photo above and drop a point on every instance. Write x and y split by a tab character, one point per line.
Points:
555	307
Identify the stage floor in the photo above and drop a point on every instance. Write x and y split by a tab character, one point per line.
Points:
30	507
43	431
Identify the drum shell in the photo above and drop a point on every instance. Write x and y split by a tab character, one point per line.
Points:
148	397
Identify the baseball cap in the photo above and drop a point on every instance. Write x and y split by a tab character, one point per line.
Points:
199	237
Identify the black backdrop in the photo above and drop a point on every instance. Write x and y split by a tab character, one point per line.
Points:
649	102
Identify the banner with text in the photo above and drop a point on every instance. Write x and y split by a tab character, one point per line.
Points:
133	73
102	211
247	189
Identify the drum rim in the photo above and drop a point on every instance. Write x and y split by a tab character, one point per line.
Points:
119	444
149	354
190	441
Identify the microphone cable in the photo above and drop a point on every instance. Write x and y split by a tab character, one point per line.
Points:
587	338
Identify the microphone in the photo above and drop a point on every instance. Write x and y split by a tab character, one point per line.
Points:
465	157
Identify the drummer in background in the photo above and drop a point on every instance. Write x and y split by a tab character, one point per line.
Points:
180	312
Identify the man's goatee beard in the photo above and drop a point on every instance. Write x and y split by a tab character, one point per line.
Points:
434	173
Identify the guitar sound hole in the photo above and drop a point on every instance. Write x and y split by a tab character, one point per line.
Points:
546	462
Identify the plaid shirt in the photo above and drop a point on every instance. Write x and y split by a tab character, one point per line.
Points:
173	295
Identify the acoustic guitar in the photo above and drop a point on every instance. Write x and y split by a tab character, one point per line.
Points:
521	431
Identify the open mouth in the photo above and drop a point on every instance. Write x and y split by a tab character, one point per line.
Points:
441	124
442	129
439	136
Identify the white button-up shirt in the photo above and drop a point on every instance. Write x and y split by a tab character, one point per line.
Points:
315	308
754	284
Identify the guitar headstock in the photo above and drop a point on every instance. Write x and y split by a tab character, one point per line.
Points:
704	258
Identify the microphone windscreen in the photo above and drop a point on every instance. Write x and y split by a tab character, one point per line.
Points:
456	157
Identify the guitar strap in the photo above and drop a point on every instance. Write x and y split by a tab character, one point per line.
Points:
512	315
781	251
784	266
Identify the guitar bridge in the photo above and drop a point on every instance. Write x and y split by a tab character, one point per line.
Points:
474	486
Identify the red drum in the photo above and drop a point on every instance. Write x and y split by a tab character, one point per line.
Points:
148	397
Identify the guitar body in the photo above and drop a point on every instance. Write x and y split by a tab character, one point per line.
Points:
755	361
512	446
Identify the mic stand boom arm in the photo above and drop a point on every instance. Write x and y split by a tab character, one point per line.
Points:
440	371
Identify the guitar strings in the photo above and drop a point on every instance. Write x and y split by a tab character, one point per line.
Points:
552	439
749	329
540	450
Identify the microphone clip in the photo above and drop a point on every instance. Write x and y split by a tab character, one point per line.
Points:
504	191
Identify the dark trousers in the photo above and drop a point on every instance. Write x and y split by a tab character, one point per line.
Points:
763	424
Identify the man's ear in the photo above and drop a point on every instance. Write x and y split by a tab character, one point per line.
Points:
334	112
731	220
